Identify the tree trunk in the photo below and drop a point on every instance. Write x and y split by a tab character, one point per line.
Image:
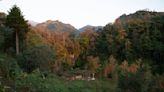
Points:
93	75
17	42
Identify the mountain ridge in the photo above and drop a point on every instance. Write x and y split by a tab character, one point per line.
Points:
138	15
55	26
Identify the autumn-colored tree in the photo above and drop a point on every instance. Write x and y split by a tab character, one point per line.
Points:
111	67
132	68
67	48
93	64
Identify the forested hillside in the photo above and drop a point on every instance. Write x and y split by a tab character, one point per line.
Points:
124	56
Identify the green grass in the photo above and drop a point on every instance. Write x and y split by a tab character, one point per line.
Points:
36	83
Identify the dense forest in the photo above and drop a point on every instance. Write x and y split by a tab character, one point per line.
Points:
124	56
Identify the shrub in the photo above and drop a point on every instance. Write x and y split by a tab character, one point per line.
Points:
8	66
41	57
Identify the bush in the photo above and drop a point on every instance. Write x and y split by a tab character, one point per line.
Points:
9	66
41	57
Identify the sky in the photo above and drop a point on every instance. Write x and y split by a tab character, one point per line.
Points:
80	12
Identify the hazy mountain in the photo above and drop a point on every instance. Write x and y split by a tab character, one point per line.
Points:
50	25
32	23
89	27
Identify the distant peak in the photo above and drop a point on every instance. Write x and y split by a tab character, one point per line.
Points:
32	23
55	25
90	27
52	21
49	21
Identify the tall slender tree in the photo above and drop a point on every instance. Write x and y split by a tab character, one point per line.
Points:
15	20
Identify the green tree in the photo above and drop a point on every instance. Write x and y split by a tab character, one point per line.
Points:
105	45
1	38
6	40
16	21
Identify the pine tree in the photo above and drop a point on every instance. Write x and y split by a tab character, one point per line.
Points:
15	20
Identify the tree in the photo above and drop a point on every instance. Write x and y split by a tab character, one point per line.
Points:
2	28
93	64
34	39
1	38
110	68
16	21
6	39
2	19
